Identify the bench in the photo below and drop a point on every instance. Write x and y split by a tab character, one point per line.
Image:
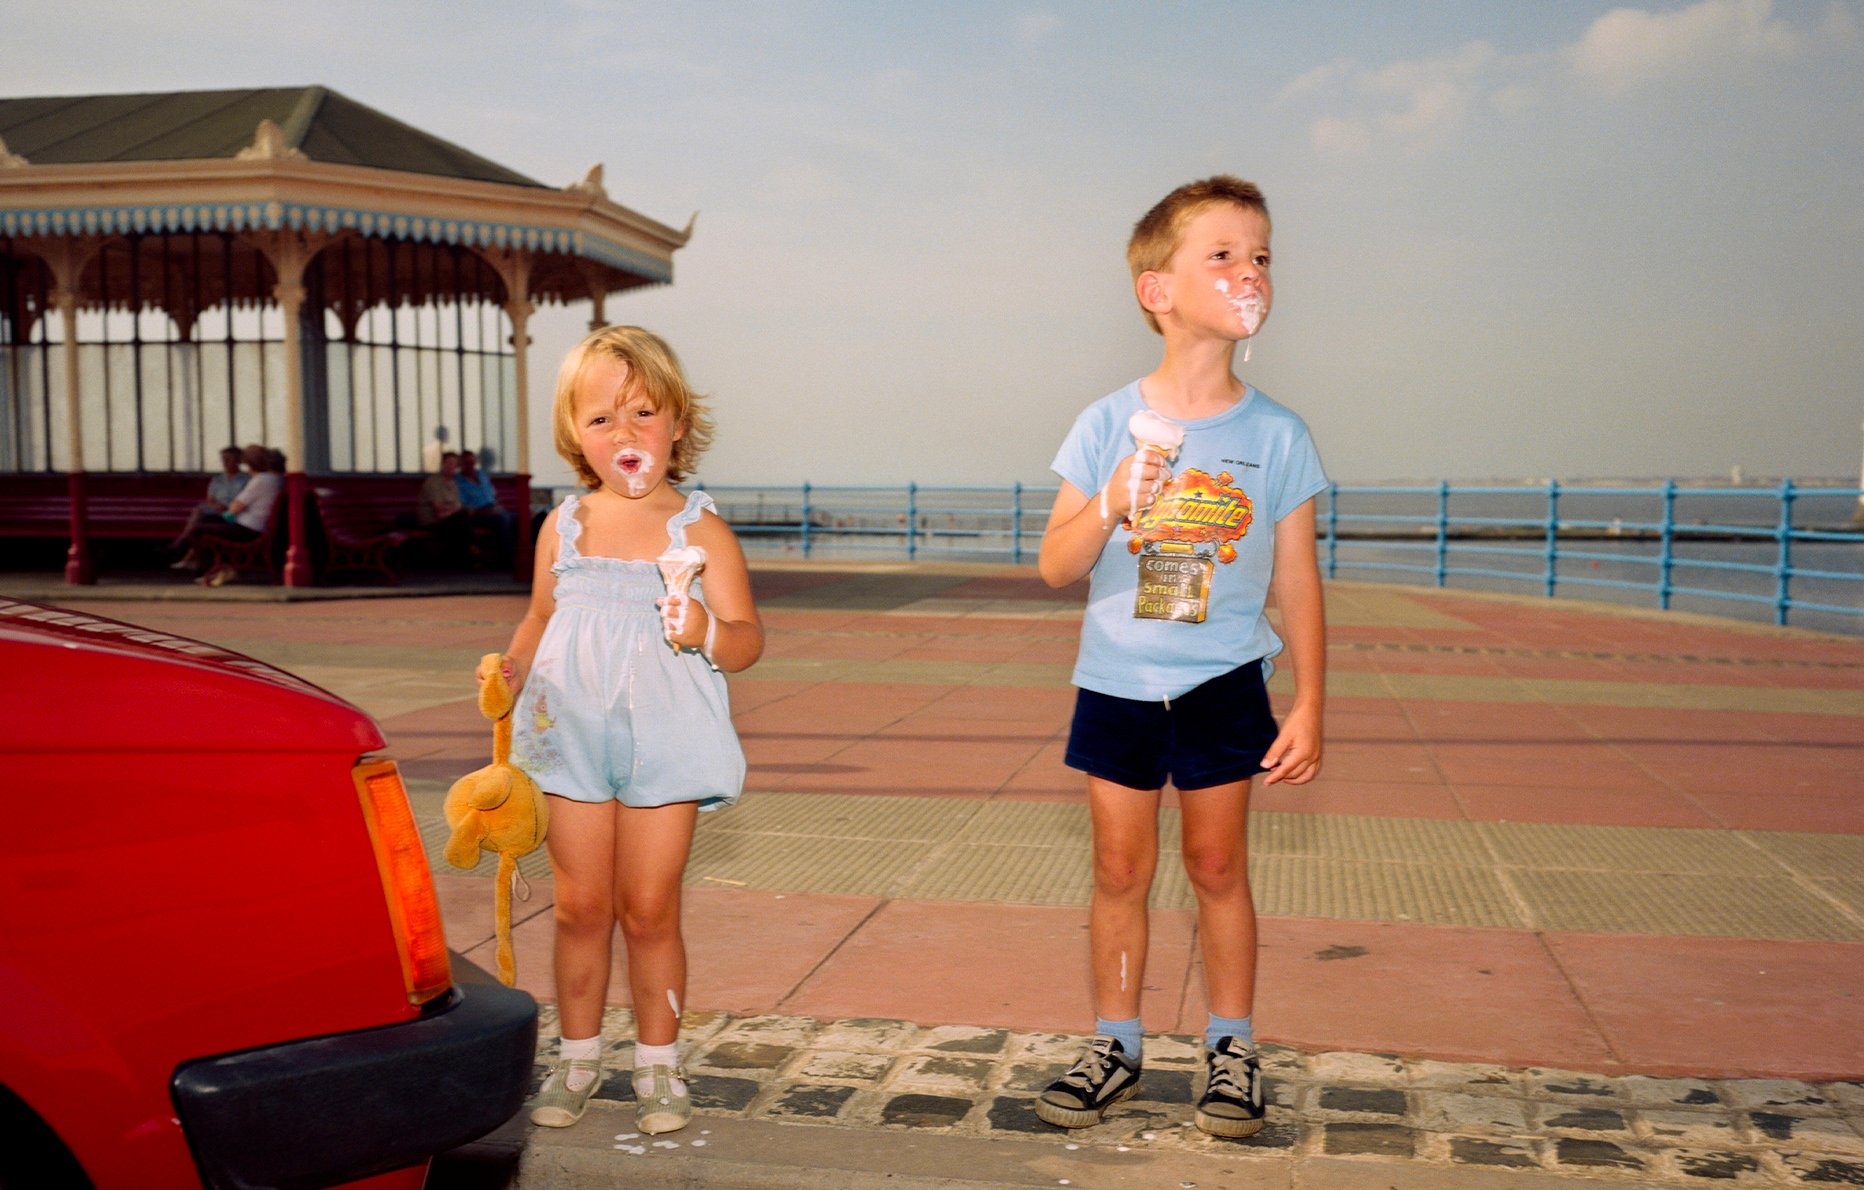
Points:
374	505
263	554
361	534
155	507
145	507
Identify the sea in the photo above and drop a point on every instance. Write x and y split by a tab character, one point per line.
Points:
1738	551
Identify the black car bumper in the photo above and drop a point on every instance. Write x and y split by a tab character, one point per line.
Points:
334	1109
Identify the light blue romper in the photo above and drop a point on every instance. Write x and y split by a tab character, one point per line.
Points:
609	711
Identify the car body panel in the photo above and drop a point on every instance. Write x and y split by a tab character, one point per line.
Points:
192	876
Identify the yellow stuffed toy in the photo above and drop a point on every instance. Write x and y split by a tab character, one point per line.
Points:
497	808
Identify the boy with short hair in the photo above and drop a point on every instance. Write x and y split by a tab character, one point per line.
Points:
1175	646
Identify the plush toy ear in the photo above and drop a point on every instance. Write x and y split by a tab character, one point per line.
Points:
468	836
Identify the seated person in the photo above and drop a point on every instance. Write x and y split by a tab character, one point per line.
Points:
221	490
480	500
440	511
250	512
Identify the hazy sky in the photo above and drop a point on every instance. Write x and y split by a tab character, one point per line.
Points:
1522	240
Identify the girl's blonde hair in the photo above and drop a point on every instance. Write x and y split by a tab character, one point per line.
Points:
655	370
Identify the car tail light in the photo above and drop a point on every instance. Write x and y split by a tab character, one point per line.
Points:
413	908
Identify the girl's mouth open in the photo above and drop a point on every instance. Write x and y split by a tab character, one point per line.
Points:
630	462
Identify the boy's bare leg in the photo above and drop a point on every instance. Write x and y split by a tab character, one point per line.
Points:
1216	860
1126	853
581	842
651	846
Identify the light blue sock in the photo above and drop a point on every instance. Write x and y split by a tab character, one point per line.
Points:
1130	1034
1220	1027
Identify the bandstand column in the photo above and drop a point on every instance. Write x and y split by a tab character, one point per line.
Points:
288	255
519	309
297	554
78	567
67	257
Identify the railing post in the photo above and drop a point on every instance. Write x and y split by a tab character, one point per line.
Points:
1333	529
912	520
807	517
1666	540
1553	535
1783	570
1443	530
1016	522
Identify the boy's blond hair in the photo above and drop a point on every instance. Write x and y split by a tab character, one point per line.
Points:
654	369
1158	234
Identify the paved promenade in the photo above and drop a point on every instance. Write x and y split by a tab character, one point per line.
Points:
1578	898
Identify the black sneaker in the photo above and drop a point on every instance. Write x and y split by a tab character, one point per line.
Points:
1103	1077
1232	1102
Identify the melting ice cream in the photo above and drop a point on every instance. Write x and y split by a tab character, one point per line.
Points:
1158	435
678	569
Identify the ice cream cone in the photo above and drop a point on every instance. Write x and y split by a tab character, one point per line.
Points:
678	569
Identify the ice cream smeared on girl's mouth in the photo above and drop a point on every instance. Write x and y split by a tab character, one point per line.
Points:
1247	304
632	467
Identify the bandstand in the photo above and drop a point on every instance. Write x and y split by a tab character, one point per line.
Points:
184	271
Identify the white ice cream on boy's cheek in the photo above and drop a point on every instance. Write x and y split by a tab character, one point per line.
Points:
1248	307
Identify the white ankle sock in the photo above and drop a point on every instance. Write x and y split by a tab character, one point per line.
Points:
585	1049
648	1056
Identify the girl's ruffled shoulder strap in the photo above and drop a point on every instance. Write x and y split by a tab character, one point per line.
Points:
696	503
568	529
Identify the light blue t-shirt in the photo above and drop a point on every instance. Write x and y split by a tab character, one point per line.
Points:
1237	474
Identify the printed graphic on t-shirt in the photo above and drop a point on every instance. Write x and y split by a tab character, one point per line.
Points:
1190	528
1198	511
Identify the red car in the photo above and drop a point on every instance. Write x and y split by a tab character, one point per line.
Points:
221	958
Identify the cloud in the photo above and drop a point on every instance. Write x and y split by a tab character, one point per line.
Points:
1629	48
1411	102
1422	102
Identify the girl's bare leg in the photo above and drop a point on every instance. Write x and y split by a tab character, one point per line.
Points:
581	842
651	846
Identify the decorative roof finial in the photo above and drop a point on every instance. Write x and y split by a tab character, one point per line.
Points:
268	144
591	183
10	160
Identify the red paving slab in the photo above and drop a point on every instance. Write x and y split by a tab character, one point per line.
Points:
1722	1006
746	950
1007	966
1455	994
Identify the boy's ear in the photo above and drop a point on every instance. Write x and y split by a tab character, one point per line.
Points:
1150	289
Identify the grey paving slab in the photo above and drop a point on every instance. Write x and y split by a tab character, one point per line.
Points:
790	1101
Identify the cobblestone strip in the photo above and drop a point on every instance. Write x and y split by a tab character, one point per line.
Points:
978	1081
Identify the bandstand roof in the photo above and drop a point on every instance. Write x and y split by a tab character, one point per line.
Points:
306	160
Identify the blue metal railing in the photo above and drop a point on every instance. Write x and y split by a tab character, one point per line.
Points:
917	520
1788	548
1480	546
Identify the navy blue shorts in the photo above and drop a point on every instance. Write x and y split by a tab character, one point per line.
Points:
1212	735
